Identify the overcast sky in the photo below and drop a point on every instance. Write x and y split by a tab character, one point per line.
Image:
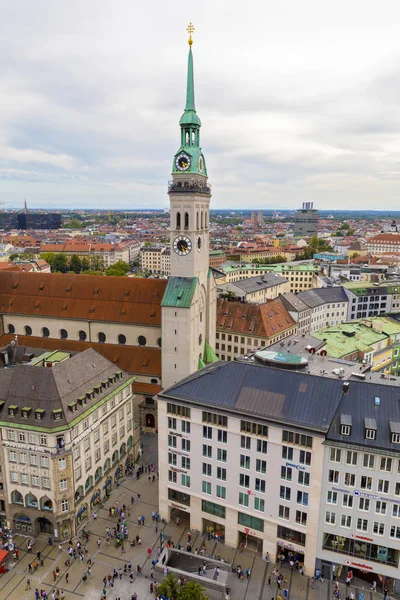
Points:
300	101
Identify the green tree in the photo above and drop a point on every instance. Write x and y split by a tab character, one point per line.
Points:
344	226
60	263
75	264
96	263
192	591
49	257
169	587
85	263
73	224
118	269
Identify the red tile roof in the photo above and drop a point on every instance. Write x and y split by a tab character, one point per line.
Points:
256	320
94	297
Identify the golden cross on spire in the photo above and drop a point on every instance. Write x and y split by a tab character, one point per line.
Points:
190	30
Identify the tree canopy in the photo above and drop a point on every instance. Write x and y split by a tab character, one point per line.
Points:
118	269
190	591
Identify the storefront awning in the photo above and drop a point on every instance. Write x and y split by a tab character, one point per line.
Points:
107	483
96	495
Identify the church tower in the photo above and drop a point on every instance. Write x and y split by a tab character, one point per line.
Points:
189	193
189	303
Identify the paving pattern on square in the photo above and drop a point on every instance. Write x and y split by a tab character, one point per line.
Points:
107	557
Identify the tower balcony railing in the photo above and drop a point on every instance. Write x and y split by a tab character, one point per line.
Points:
189	187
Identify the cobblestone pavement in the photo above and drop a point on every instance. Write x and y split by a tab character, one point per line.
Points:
106	558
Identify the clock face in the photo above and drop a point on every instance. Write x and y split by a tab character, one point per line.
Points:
182	245
199	244
182	162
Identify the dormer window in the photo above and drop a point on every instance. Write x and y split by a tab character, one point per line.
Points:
345	424
26	411
12	410
90	395
39	412
82	400
394	432
73	407
57	414
97	389
370	428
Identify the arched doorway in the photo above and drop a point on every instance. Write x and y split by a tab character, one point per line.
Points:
44	525
150	420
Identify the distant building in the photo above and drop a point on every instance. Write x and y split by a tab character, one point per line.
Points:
242	328
217	258
256	290
300	275
306	221
156	259
375	341
39	221
383	242
8	220
328	306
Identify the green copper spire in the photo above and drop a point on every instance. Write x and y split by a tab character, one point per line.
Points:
189	157
190	117
190	83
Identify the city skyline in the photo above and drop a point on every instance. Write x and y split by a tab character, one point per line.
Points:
298	105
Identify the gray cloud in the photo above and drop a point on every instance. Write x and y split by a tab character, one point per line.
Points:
299	103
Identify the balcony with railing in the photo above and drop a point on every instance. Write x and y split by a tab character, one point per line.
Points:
189	187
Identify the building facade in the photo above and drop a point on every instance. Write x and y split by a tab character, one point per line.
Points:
156	259
253	476
306	221
256	290
242	328
283	471
68	434
301	276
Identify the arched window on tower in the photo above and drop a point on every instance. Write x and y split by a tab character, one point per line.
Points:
201	220
197	219
186	220
193	138
187	138
206	220
178	220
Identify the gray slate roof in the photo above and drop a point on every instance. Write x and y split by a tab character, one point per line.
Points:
294	302
319	296
359	404
273	394
260	282
54	388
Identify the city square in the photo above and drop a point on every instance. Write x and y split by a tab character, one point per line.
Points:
106	558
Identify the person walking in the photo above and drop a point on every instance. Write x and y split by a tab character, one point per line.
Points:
28	584
373	588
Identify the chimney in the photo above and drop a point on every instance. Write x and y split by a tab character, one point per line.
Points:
345	387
